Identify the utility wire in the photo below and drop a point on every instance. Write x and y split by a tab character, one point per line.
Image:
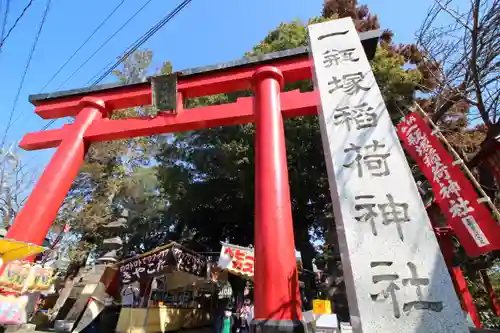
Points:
33	47
131	49
98	73
4	23
104	44
4	18
84	43
16	22
138	43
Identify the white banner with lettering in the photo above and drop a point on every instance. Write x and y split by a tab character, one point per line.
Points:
237	259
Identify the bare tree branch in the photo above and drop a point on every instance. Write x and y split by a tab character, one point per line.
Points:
473	62
15	183
460	46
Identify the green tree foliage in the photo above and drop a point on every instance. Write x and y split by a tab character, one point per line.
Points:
482	300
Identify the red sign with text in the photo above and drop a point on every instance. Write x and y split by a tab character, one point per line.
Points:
472	222
237	260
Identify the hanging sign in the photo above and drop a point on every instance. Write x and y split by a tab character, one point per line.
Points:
471	221
237	259
240	260
164	92
189	262
16	276
154	263
42	279
145	266
21	276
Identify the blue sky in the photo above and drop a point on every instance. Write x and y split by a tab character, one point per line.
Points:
206	32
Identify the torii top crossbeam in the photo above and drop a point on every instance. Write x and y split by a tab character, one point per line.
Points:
294	64
277	300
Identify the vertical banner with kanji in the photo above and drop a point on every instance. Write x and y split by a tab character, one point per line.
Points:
472	221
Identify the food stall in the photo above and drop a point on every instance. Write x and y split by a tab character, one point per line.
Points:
163	290
19	280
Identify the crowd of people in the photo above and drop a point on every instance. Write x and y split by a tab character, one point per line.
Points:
237	321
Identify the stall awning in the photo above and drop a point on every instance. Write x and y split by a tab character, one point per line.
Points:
153	263
11	249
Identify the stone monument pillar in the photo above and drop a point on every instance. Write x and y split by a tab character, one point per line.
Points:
395	275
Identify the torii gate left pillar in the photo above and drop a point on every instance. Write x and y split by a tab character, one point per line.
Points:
277	300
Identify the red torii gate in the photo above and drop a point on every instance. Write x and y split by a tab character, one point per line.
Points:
277	301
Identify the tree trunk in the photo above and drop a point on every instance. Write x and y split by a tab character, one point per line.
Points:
487	181
238	286
307	253
334	286
488	146
73	269
79	261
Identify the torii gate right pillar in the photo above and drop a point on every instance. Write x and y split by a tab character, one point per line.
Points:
277	297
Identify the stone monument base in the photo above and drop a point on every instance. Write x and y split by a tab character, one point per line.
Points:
277	326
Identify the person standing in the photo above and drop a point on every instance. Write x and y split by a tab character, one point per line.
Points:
251	315
227	321
218	314
130	295
245	317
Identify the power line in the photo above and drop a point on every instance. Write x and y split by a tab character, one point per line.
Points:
84	43
4	24
33	47
4	18
98	73
104	44
131	49
144	39
16	22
